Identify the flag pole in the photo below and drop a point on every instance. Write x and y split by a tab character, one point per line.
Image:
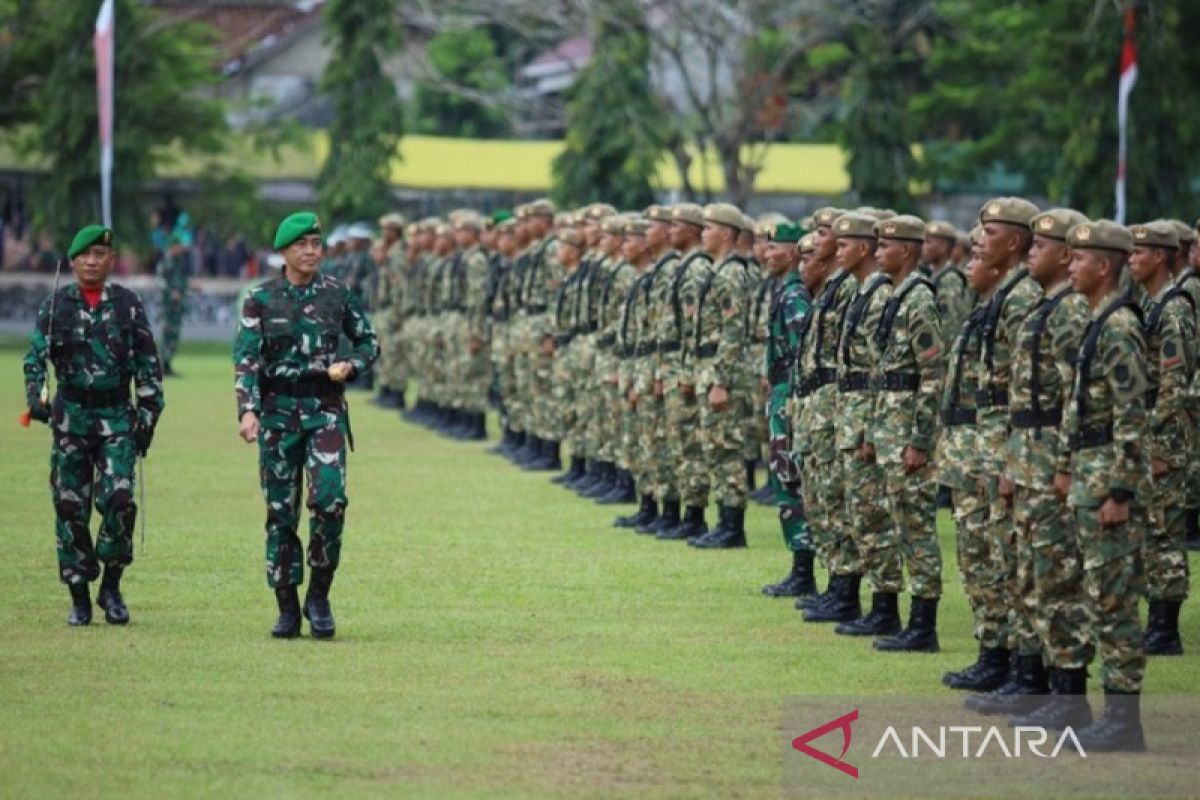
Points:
104	44
1129	72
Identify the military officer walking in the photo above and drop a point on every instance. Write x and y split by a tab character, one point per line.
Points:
98	338
290	385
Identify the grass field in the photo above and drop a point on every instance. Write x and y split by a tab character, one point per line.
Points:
496	637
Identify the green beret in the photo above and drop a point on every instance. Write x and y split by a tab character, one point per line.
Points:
1101	235
1012	210
294	226
1055	223
856	225
1155	234
88	236
501	216
786	232
904	227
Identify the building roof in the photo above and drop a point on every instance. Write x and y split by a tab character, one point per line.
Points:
245	28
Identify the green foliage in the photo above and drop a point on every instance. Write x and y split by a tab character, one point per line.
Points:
467	60
159	69
368	119
1032	90
615	135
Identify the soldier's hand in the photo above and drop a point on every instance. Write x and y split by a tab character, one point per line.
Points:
142	436
687	390
1113	513
248	427
866	451
1062	485
40	412
914	458
548	346
339	372
1007	490
718	397
475	345
1158	467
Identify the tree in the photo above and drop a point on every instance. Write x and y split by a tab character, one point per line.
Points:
159	69
368	119
614	138
465	58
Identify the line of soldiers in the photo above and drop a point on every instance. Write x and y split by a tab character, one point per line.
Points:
1048	381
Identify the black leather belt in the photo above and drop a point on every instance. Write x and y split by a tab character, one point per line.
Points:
541	309
308	386
669	347
591	327
501	316
957	415
626	352
823	377
644	349
897	382
854	382
95	398
607	340
562	340
707	350
1151	397
1026	418
1091	436
992	398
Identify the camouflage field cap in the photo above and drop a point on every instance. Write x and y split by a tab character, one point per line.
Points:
1011	210
636	226
1159	233
393	220
940	229
826	216
1055	223
855	225
807	243
726	214
904	227
541	207
1101	235
658	213
689	213
1185	234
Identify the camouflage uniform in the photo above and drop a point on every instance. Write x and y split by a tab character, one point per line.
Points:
473	373
287	340
97	433
1050	615
1106	428
683	410
653	472
1007	308
541	279
822	487
907	353
867	522
391	296
616	278
173	272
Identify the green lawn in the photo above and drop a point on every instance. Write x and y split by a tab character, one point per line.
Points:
496	637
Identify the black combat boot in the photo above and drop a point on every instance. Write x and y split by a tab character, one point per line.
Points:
624	490
668	518
988	671
167	370
400	402
1192	521
729	534
945	496
316	604
921	634
578	470
799	581
1066	707
1162	629
548	460
819	598
519	446
843	605
460	428
387	398
1119	727
476	430
882	620
691	526
501	447
287	626
81	605
587	474
529	451
109	598
647	511
593	474
1027	685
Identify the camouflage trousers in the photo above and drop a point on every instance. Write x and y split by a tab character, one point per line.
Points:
87	470
684	450
413	336
472	374
723	446
1114	585
522	375
822	488
1165	552
390	366
606	421
1050	615
506	379
578	440
439	358
286	460
563	383
648	466
628	421
981	564
172	312
869	524
543	409
913	510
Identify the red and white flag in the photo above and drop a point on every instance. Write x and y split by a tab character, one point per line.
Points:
103	43
1129	73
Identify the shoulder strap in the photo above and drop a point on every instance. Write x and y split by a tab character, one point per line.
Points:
855	314
888	320
1040	320
971	327
1087	350
995	308
1154	320
828	298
